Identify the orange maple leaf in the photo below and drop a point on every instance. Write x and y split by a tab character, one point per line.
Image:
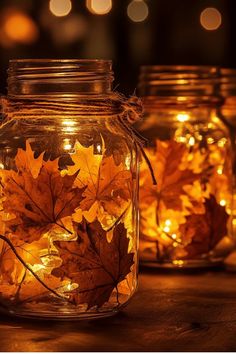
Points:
37	196
95	264
205	231
166	160
108	185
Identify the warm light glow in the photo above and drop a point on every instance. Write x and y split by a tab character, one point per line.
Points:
220	170
99	7
99	148
69	126
60	8
168	222
191	141
222	142
174	236
182	117
210	19
1	166
67	145
137	11
179	263
20	28
166	229
210	141
223	202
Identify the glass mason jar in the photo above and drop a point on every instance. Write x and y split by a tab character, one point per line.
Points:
228	114
68	240
184	218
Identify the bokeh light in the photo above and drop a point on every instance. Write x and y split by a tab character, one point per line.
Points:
18	28
60	8
137	11
210	19
99	7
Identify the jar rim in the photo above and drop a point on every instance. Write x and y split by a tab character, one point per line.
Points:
44	60
56	77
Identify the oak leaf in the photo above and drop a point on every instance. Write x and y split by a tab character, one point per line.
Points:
95	264
38	198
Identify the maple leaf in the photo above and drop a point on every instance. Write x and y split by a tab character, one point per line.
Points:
108	185
95	264
37	197
165	161
205	231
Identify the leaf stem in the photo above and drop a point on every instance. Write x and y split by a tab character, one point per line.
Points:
28	268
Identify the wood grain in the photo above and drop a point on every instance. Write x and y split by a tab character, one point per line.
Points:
170	312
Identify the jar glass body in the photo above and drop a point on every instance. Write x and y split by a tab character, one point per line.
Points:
68	244
185	219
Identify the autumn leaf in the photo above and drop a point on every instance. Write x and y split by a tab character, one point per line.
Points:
166	160
205	231
108	185
95	264
17	283
37	197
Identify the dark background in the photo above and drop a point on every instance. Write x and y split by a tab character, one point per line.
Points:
171	34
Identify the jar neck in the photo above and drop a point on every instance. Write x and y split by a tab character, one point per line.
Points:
56	79
228	82
180	85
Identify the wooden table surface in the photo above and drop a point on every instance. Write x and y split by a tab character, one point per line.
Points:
170	312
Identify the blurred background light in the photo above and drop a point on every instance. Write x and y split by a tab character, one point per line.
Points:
137	10
69	30
210	19
18	28
60	8
99	7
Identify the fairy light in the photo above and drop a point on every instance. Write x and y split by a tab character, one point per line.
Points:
99	7
137	11
174	236
175	244
222	142
60	8
222	202
67	145
1	166
191	141
99	148
182	117
210	140
178	263
210	19
220	170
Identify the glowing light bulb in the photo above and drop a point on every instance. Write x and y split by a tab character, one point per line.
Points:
99	7
60	8
166	229
191	141
67	145
220	170
168	222
210	19
223	202
137	10
174	236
